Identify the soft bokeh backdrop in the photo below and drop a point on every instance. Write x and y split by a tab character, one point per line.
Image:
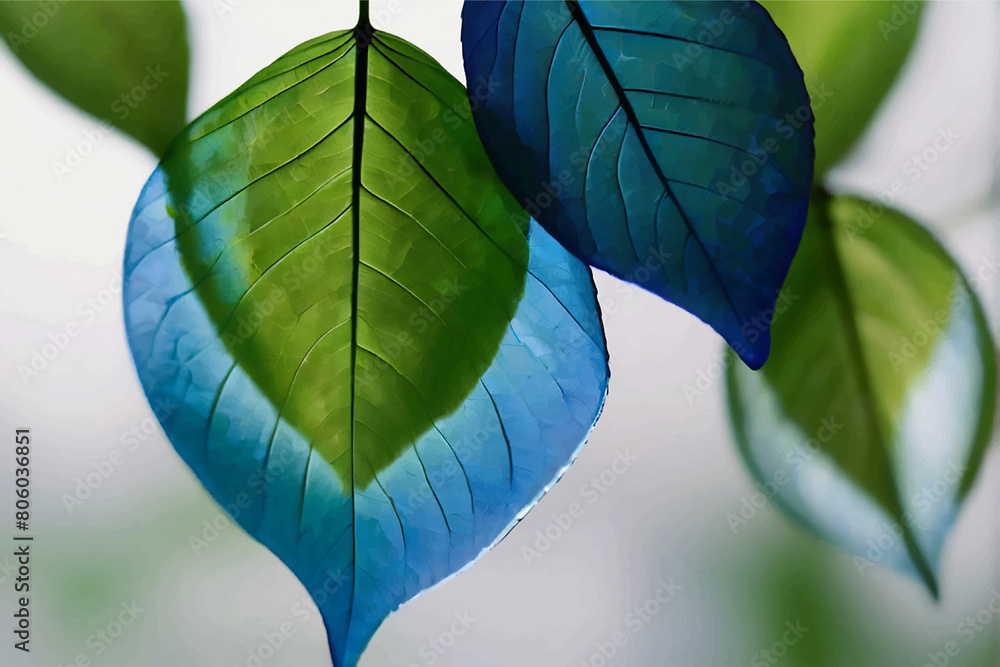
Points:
143	543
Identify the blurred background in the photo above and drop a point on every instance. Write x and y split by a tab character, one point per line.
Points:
136	565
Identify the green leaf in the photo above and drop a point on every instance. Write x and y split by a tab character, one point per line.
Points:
850	53
349	330
870	419
313	178
125	62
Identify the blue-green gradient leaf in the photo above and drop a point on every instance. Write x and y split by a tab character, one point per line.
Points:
668	143
371	356
870	419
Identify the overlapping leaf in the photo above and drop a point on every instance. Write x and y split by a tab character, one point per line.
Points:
376	365
870	420
669	143
851	53
124	62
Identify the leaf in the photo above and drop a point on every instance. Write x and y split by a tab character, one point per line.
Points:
126	63
281	184
655	140
870	420
360	353
851	53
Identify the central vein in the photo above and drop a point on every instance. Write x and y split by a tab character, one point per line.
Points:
587	30
362	35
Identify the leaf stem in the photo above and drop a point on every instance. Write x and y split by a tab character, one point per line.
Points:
364	23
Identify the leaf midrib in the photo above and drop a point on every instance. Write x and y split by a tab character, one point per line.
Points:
576	12
857	359
363	33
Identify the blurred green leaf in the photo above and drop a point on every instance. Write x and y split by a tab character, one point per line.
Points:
124	62
850	53
870	419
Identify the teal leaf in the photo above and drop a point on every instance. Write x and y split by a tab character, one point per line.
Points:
851	53
667	143
870	420
372	357
125	63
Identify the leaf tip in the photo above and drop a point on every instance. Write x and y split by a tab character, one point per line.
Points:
928	577
753	354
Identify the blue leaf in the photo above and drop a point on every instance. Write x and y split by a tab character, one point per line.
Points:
354	336
432	512
668	143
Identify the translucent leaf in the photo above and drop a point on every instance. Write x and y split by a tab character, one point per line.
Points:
372	360
126	63
851	53
668	143
870	420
